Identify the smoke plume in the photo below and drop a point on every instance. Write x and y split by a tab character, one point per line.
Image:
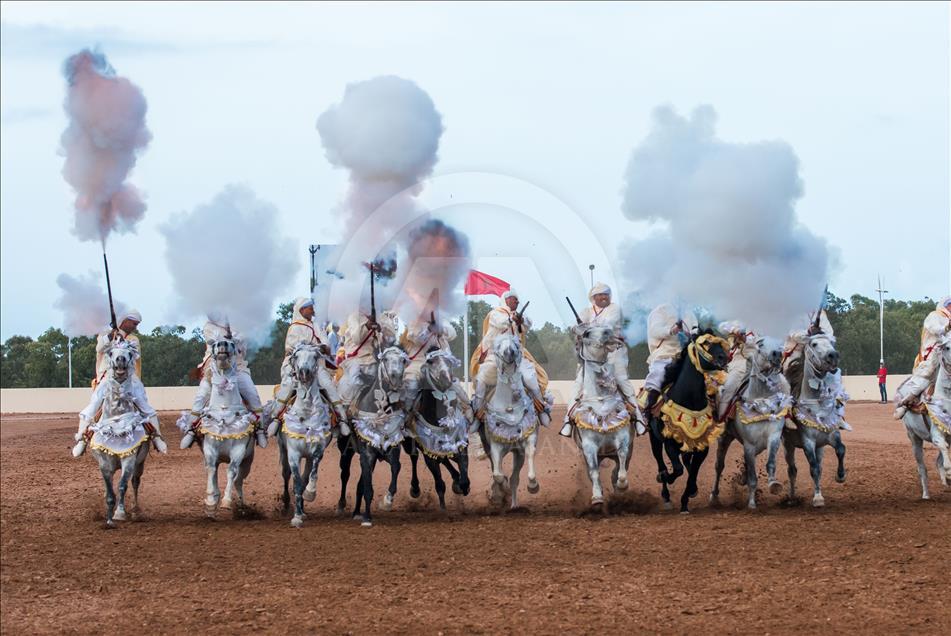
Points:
727	238
105	135
85	304
385	132
227	256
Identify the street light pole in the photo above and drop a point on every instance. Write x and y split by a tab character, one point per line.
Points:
69	358
881	320
591	269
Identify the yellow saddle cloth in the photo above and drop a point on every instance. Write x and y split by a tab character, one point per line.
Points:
694	430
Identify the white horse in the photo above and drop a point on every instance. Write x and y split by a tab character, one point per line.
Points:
817	412
301	416
931	421
509	422
761	405
602	423
225	417
119	439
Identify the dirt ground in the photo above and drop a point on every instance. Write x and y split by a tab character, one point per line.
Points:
875	559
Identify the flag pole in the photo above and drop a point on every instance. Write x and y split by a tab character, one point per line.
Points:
465	343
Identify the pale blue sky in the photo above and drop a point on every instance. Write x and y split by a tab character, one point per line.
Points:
554	96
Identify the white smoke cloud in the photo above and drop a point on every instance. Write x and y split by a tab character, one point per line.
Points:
386	132
105	135
227	256
727	238
85	304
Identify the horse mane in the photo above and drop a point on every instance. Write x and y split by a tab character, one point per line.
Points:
794	374
672	372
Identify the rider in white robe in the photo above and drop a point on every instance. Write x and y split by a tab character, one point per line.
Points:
301	330
362	338
667	332
936	325
421	337
128	323
603	313
501	320
216	328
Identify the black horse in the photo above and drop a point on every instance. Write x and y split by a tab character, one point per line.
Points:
685	385
439	396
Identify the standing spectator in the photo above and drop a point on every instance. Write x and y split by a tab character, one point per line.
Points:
882	374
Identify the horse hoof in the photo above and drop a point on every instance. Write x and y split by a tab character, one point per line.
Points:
818	501
414	491
925	497
840	477
357	517
685	512
309	495
715	501
775	488
621	484
751	506
211	511
297	521
119	515
456	488
533	486
387	503
366	524
226	504
597	501
667	505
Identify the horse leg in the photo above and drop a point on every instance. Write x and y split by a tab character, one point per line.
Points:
497	491
814	457
433	466
212	493
657	449
917	447
285	472
590	452
137	480
233	485
453	473
533	486
107	473
943	460
393	458
125	474
749	454
624	450
694	462
368	459
840	455
293	460
346	458
460	478
789	447
310	492
772	449
411	449
673	454
723	445
518	459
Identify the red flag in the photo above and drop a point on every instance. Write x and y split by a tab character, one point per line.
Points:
480	283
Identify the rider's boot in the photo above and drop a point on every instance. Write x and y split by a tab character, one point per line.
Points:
158	442
342	423
261	436
188	439
81	437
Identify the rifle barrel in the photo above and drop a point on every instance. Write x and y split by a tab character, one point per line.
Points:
112	308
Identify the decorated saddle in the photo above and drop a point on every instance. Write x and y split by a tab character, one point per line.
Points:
120	435
601	416
380	430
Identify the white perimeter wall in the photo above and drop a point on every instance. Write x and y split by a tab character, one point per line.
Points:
173	398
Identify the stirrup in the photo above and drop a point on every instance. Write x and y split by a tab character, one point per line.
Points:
566	429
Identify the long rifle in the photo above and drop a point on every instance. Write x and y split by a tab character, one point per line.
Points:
372	296
822	305
577	317
112	308
520	316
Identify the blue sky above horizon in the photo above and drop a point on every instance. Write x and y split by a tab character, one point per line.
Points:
551	96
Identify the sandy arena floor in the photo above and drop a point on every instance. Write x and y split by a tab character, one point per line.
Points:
875	560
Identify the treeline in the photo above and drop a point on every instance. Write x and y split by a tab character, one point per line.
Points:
169	352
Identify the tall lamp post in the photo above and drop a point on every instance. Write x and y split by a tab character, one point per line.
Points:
591	269
881	320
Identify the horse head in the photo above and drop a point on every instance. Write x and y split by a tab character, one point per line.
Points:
122	355
821	354
393	362
944	348
303	361
508	351
597	343
223	352
767	355
439	366
711	351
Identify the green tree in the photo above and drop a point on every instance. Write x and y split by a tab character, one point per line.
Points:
168	355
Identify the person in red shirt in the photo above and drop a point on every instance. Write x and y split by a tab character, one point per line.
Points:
882	373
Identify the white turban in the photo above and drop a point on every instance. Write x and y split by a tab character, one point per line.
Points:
599	288
132	314
218	317
509	294
945	302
